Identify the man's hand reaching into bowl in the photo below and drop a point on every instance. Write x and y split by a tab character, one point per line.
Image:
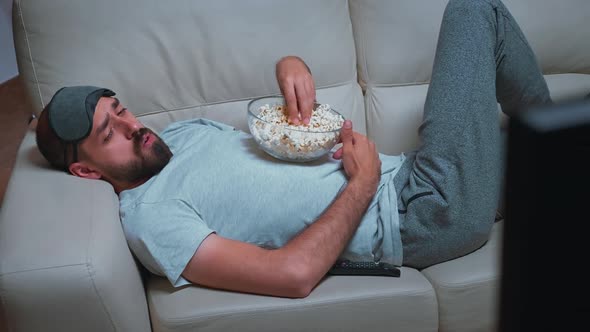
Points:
298	88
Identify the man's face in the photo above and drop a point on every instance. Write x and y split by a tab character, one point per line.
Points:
120	148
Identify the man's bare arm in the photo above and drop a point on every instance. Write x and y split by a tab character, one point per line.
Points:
295	269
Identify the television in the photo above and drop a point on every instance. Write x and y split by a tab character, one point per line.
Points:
545	245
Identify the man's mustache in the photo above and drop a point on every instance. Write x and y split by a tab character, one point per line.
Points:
138	135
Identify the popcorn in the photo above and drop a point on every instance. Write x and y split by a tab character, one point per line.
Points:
296	142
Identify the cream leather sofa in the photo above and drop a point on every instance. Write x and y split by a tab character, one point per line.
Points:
64	262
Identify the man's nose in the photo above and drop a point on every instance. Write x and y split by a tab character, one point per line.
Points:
129	127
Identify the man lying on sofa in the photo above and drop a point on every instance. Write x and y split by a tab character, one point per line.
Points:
199	206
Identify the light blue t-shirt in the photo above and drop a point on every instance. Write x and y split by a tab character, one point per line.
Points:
220	181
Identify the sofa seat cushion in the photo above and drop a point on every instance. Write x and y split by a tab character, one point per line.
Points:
462	283
339	303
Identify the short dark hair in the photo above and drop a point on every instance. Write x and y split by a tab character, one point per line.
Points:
50	146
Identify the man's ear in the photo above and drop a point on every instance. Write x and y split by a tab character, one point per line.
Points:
84	171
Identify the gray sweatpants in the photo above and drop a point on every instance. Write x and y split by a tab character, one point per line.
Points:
448	189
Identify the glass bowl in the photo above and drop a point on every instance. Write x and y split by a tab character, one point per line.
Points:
294	143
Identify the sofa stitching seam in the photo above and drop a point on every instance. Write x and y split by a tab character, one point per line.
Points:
90	270
97	293
40	269
235	100
22	19
394	85
462	285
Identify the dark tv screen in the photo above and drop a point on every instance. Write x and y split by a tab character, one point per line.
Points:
546	242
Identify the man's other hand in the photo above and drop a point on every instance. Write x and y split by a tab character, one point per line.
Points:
298	88
359	156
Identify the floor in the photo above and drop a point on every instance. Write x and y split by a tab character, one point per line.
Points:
15	112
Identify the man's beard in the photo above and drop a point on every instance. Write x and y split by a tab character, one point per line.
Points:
147	164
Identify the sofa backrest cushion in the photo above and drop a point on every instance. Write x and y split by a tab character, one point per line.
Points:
194	58
396	43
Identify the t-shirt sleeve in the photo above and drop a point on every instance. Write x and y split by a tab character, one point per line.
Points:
164	236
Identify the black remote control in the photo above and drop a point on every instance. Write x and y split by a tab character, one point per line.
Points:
346	267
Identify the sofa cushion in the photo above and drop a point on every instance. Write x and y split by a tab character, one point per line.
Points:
396	44
339	303
346	98
564	87
462	283
159	57
395	113
64	262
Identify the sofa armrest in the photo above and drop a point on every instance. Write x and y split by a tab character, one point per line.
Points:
64	261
